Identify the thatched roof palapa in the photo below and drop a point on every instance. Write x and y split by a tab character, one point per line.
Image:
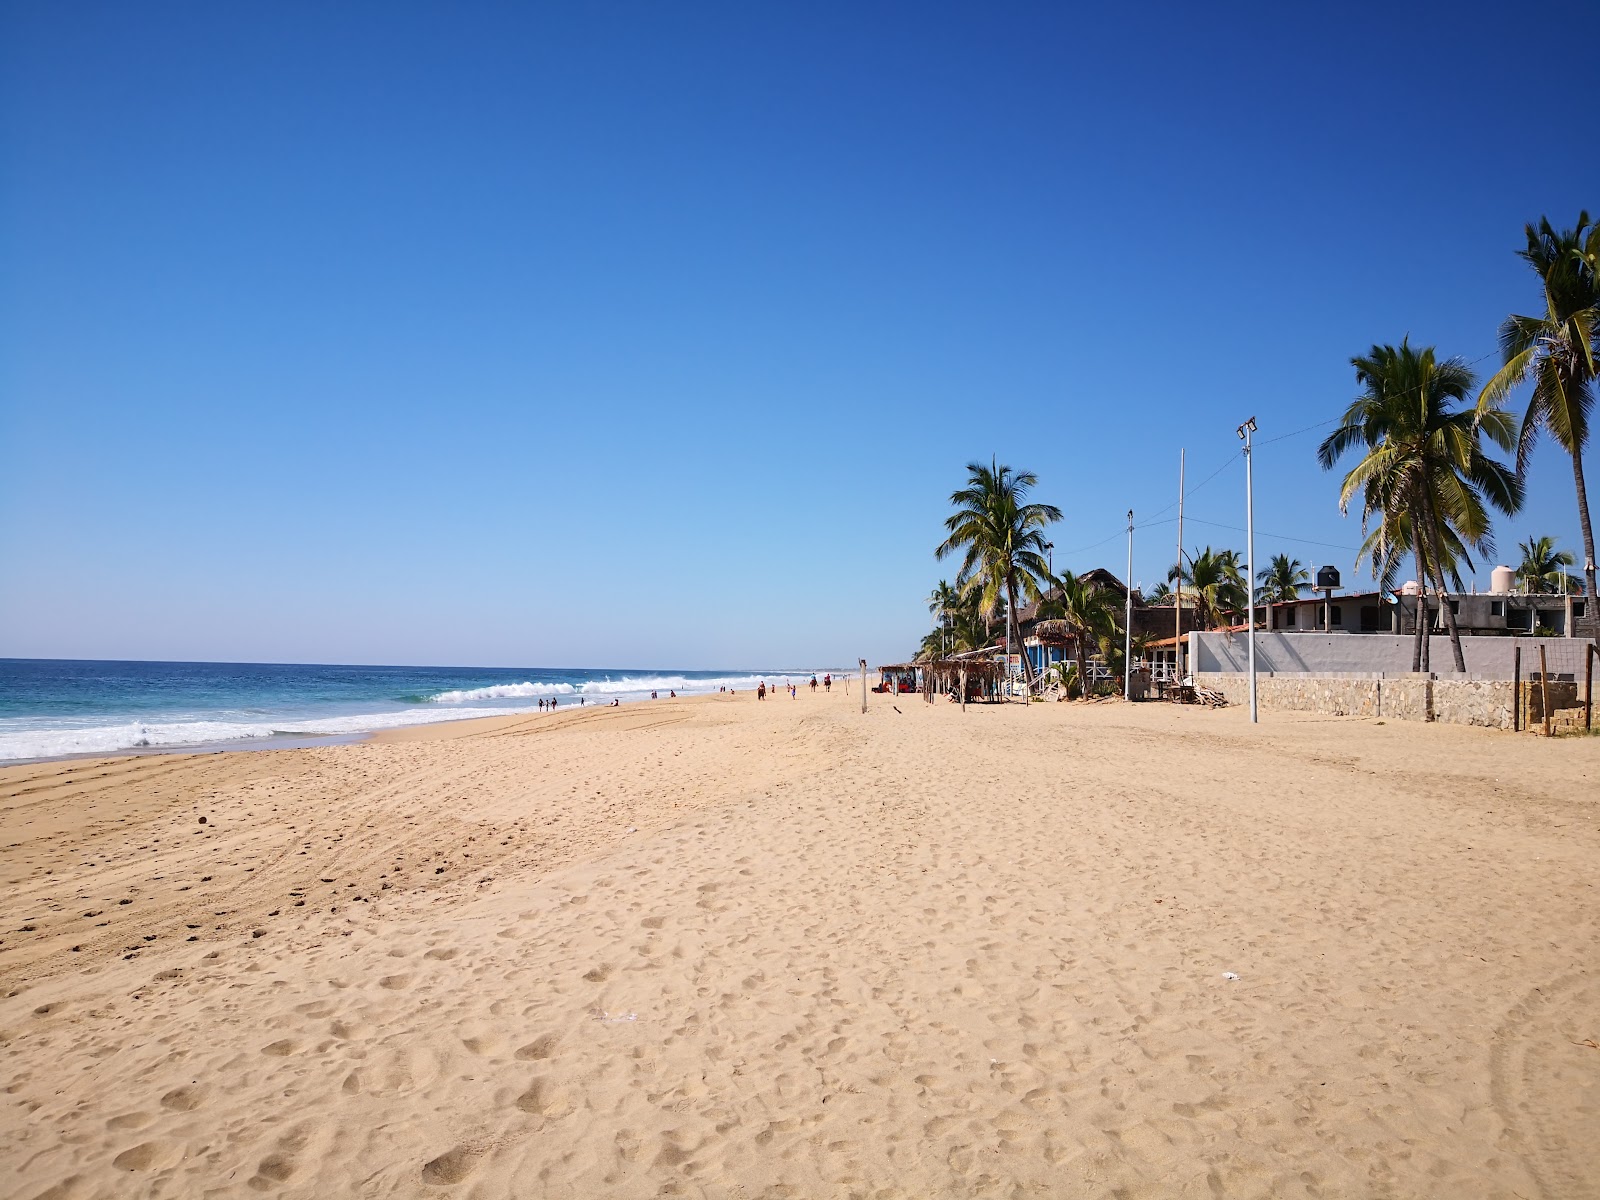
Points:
1053	633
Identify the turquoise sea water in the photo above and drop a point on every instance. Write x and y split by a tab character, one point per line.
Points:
55	707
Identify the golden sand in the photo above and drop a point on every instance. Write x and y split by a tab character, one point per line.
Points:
721	948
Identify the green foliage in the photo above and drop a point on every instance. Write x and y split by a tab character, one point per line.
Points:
1281	581
1543	567
1090	611
1559	351
999	534
1424	479
1215	579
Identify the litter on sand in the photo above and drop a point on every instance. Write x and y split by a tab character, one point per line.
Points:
1230	976
609	1019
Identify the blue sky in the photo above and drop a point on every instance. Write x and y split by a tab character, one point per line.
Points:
656	335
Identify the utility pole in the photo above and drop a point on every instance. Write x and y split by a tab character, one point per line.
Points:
1245	431
1127	621
1177	628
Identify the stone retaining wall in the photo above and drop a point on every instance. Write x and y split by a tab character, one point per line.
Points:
1485	702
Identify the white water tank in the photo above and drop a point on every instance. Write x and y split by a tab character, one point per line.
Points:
1501	580
1410	588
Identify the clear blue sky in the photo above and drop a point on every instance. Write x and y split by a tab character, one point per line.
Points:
658	335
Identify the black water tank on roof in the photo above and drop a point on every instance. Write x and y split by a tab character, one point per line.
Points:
1327	577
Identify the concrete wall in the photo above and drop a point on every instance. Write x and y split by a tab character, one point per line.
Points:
1379	654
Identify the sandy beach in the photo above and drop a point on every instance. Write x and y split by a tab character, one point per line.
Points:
722	948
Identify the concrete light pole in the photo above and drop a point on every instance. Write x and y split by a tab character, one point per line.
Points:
1245	431
1127	620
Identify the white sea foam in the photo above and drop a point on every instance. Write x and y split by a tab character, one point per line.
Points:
141	735
626	685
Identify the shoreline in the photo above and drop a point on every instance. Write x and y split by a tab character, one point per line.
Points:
713	943
292	738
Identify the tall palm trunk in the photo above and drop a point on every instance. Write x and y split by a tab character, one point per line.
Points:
1590	598
1445	610
1083	665
1419	651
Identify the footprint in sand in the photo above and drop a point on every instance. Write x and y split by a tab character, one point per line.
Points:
598	974
184	1099
441	955
452	1166
544	1100
395	983
281	1048
149	1156
271	1171
539	1048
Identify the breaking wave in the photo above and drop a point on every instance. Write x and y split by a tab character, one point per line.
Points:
143	735
625	685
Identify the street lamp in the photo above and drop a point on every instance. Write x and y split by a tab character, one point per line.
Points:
1127	620
1245	431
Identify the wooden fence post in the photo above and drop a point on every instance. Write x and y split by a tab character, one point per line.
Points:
863	685
1589	653
963	689
1516	689
1544	689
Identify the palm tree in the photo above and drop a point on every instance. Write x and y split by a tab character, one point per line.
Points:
1543	567
1560	352
942	603
1090	611
1159	594
1000	534
1424	473
1282	581
1217	581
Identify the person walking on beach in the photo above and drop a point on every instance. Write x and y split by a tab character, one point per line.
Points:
813	684
761	690
827	683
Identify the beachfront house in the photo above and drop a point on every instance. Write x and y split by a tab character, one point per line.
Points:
1487	614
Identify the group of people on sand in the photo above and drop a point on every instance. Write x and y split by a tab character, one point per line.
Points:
551	704
792	688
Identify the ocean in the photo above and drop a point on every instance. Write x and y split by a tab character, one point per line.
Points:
53	708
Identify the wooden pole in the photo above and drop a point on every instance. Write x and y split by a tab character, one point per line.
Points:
963	689
1544	689
863	685
1516	689
1589	653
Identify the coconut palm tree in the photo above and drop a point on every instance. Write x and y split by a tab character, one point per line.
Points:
1000	535
1424	472
1159	594
942	603
1560	352
1090	611
1543	567
1282	580
1217	581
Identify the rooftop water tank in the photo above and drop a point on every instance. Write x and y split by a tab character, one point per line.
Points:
1501	580
1409	588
